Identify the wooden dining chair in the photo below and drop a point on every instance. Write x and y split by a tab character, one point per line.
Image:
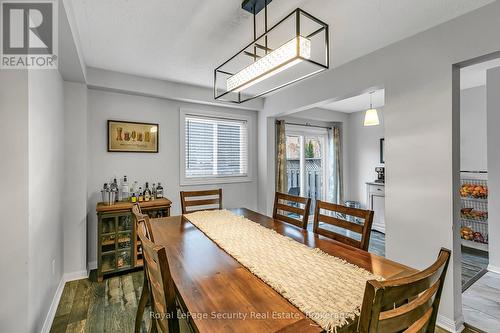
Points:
208	199
142	223
408	304
161	285
291	209
335	215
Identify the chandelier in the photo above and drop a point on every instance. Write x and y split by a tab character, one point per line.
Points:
295	48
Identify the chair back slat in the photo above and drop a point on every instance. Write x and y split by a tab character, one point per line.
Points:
338	220
409	304
296	207
161	285
142	221
204	200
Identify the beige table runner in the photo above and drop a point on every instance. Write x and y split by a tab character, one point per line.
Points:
325	288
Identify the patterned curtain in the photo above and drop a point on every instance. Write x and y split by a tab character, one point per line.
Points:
281	177
335	181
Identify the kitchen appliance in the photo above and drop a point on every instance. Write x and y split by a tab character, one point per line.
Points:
380	175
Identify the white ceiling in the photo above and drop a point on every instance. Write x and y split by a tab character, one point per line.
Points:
475	75
358	103
184	40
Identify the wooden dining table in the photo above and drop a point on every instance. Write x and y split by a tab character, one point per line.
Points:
220	295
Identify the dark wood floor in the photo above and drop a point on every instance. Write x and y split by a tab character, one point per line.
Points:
95	307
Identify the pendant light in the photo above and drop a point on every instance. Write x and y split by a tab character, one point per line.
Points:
295	48
371	115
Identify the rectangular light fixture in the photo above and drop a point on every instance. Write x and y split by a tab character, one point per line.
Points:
288	55
295	48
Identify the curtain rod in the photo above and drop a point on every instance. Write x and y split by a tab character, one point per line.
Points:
306	125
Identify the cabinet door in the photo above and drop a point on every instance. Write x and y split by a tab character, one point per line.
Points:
378	207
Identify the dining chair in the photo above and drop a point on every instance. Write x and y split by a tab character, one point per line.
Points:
335	215
136	210
291	209
408	304
142	223
206	199
161	285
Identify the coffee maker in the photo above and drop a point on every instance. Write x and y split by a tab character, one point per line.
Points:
380	175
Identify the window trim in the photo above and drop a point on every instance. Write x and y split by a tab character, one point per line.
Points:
185	181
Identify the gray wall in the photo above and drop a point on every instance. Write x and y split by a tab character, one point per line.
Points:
493	105
420	167
164	166
46	174
14	198
473	141
364	154
75	179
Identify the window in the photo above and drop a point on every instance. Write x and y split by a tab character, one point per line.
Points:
214	148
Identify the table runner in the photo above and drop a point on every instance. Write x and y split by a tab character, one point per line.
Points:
325	288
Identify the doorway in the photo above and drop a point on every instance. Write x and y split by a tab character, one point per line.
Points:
306	161
477	238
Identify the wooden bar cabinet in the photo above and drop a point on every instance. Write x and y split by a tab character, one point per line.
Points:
118	247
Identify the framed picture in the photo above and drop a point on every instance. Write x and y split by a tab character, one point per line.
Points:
382	151
132	137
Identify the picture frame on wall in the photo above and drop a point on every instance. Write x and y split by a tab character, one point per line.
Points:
382	151
132	137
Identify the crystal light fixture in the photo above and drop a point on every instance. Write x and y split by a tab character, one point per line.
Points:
286	56
295	48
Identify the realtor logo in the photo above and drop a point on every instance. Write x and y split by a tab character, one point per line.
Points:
29	34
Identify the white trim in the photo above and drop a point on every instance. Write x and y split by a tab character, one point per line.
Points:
75	276
47	324
92	265
494	269
449	325
184	181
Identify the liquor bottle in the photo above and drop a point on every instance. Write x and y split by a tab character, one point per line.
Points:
159	191
153	192
133	198
147	193
125	189
141	195
135	187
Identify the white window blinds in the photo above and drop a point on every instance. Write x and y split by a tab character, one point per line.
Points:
215	147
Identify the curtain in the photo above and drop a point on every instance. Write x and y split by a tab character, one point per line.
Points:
281	177
335	180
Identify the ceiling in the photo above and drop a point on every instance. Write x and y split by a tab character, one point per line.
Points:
358	103
184	40
475	75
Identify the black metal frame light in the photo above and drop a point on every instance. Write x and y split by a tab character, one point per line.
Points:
251	50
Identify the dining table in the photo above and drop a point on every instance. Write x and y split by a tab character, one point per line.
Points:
218	294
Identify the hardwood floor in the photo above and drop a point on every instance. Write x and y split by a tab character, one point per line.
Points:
481	303
95	307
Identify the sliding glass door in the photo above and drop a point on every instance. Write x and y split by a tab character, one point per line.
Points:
306	162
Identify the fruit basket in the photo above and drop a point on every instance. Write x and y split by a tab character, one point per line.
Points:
474	212
474	189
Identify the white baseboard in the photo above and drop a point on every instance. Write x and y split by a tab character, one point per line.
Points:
75	276
494	269
47	324
53	307
92	265
450	325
